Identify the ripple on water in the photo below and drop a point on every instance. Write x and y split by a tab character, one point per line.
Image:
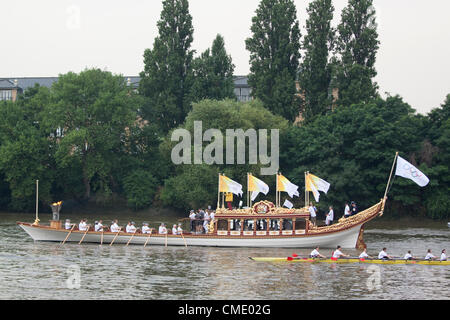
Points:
40	271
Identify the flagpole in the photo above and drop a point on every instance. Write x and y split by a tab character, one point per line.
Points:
218	195
36	222
276	191
390	177
248	190
306	204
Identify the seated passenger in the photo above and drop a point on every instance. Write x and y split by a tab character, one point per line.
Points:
430	256
409	256
315	254
364	255
443	256
68	225
337	254
131	228
83	225
115	227
145	228
162	229
383	255
99	226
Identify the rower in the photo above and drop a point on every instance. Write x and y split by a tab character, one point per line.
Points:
115	227
179	230
315	254
68	225
430	256
131	228
338	253
83	225
364	255
409	256
443	256
174	229
98	226
162	229
383	255
145	228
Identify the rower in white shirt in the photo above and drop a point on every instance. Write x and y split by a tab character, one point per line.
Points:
162	229
115	227
174	230
145	228
383	255
409	256
443	256
179	230
315	254
364	255
83	225
131	228
99	226
430	256
338	253
68	225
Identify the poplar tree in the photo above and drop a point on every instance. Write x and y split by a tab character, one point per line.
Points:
357	46
167	68
315	75
274	56
213	74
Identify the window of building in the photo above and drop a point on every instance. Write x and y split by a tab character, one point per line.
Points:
5	95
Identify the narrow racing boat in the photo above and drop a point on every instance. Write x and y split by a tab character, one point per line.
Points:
352	260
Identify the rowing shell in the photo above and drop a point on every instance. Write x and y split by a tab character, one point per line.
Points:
348	261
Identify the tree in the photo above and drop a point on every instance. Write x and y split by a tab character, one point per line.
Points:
195	185
274	56
353	149
213	74
315	75
95	111
26	154
164	81
357	46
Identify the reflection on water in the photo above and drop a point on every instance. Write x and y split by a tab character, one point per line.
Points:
31	270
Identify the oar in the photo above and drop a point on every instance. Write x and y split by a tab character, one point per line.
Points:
148	238
101	241
73	227
185	243
115	237
166	239
131	238
84	235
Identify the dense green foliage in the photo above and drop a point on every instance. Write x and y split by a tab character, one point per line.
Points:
92	139
315	75
357	46
213	74
275	56
164	81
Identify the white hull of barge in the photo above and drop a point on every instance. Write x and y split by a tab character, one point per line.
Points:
346	239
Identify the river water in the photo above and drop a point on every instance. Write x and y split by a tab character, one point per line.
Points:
30	270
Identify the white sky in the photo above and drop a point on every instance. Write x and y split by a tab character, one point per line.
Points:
49	37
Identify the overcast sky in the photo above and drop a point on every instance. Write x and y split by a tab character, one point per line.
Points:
50	37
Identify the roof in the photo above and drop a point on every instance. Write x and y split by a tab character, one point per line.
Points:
29	82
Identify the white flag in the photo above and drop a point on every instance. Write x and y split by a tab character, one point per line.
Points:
408	171
256	186
288	204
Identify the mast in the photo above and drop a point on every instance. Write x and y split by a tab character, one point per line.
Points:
36	222
218	194
276	192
